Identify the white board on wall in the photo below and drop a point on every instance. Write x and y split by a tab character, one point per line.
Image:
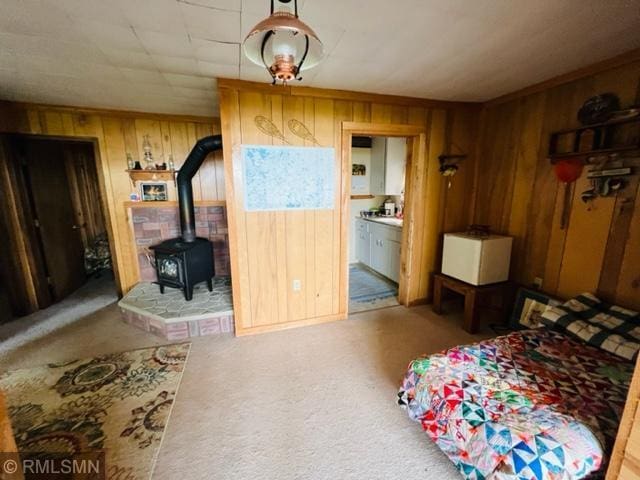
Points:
288	178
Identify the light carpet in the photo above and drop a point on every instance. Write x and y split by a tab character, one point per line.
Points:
96	294
310	403
117	403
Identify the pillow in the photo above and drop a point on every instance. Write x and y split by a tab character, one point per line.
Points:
608	327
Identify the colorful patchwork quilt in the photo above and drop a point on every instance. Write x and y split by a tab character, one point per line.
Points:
534	404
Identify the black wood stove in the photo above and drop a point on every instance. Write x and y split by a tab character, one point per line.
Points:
188	260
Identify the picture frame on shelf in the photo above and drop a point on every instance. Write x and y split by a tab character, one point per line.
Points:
153	192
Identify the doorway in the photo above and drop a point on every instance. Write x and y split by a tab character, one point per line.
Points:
378	168
395	247
53	219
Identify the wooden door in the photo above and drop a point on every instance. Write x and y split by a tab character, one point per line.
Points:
54	216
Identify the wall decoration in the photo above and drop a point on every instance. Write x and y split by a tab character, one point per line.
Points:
530	304
358	169
300	130
285	178
267	127
154	192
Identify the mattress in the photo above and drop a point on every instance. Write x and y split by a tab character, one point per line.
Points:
534	404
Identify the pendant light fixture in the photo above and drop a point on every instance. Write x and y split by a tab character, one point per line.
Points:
283	44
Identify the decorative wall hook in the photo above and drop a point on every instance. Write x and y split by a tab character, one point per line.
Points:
449	165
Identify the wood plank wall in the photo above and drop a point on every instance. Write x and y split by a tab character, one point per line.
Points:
519	195
83	180
118	133
271	249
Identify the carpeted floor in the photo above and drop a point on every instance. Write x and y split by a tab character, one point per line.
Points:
368	290
97	293
315	402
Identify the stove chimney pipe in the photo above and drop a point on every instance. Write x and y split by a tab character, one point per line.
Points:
203	147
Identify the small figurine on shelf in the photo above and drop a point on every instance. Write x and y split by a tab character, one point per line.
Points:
130	163
172	166
148	156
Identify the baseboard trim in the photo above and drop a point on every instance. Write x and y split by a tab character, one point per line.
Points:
241	332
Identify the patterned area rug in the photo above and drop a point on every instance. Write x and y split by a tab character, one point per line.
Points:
118	403
368	290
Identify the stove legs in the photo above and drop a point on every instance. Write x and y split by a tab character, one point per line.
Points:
210	284
188	292
162	289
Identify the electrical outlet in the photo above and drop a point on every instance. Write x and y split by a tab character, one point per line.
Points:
537	282
297	285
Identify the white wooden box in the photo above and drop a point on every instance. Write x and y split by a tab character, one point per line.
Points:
476	260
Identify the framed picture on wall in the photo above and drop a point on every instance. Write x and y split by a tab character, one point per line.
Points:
530	304
154	192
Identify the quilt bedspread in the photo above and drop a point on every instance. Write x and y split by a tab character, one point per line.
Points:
533	404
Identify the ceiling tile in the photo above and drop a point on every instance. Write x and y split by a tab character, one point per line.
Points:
194	92
211	24
216	52
253	73
216	70
98	71
167	44
153	15
185	66
107	12
234	5
190	81
137	75
110	36
126	58
85	51
36	17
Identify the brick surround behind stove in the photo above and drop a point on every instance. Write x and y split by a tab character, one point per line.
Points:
151	225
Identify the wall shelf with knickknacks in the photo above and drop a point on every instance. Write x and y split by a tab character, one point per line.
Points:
615	136
151	175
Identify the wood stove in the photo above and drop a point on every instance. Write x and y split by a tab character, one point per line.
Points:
181	264
188	260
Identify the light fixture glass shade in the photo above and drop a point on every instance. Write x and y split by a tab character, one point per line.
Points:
284	45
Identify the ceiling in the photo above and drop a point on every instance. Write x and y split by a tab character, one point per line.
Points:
163	55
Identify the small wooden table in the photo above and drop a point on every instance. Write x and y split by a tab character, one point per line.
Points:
472	295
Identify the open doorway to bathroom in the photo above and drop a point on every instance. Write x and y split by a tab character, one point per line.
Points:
378	166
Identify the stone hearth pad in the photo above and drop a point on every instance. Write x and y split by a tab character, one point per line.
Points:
171	316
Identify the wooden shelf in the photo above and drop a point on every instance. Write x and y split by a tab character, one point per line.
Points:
611	123
362	197
597	139
603	151
151	175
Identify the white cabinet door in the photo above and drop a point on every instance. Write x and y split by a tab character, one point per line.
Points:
395	161
379	257
393	250
363	247
378	154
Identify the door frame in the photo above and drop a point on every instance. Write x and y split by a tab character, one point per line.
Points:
23	238
415	174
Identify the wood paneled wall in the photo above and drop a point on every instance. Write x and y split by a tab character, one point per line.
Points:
519	195
271	249
115	134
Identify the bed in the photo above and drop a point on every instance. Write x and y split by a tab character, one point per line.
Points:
542	403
